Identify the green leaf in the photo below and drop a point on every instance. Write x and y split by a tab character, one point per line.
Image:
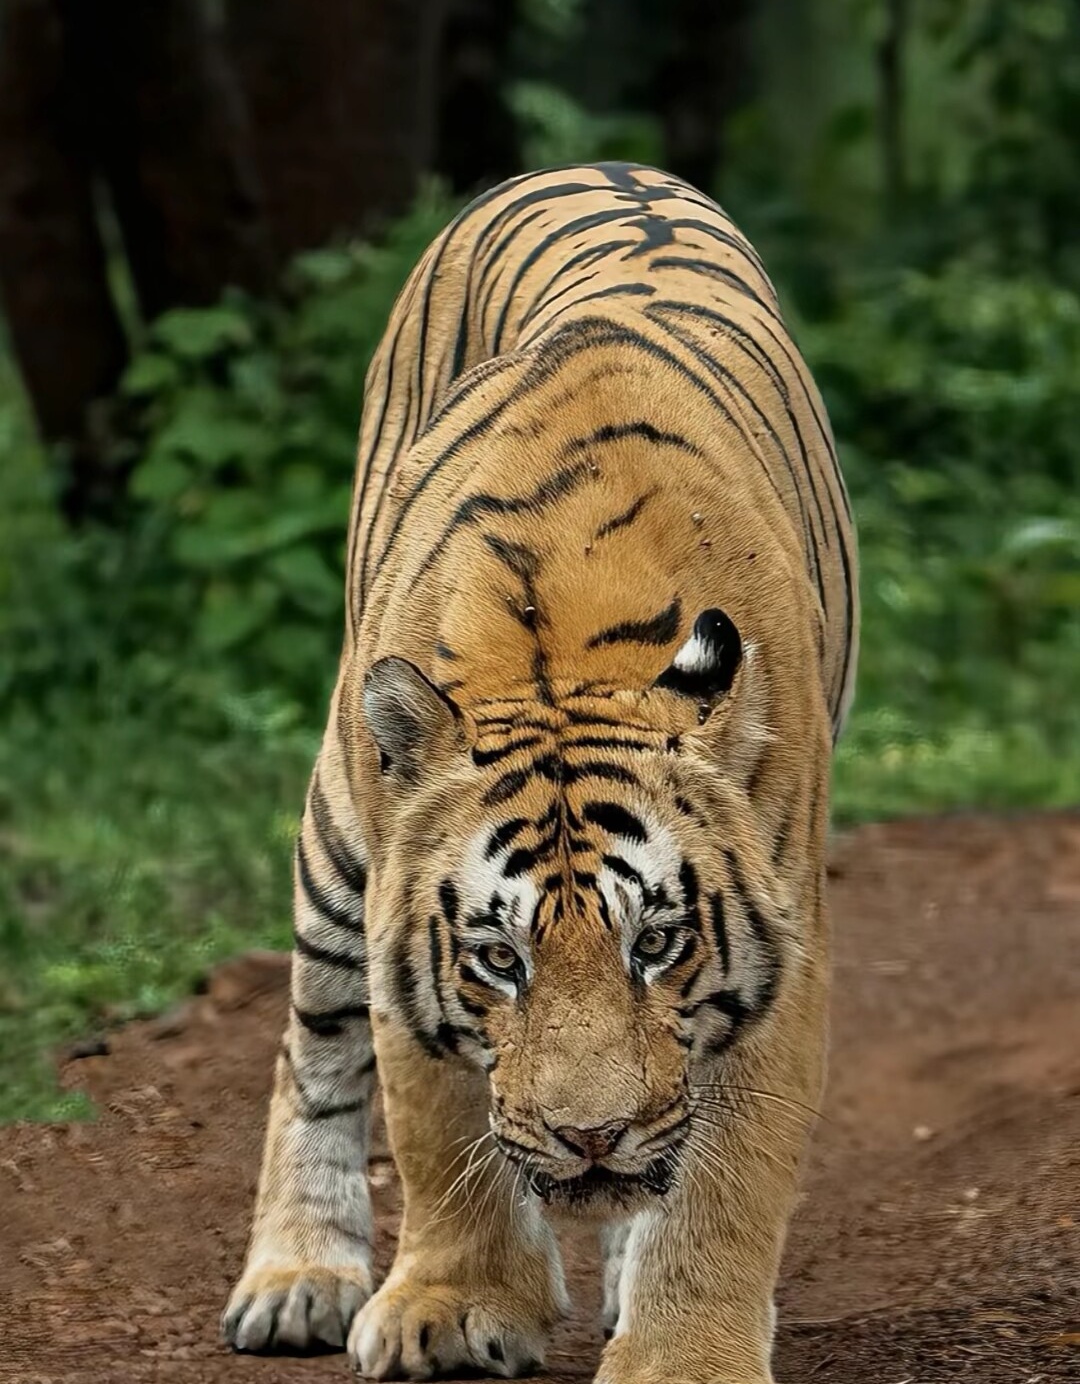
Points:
289	645
1042	535
150	373
230	615
325	268
160	478
307	578
205	430
197	333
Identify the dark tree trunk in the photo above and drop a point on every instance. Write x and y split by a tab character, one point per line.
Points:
890	59
704	76
170	128
477	139
64	329
342	96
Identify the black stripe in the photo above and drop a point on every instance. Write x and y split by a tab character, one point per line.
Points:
406	991
719	927
620	521
601	769
615	290
782	832
446	1033
770	955
689	945
506	787
687	808
618	866
328	958
350	870
692	979
729	1003
522	861
565	230
474	430
331	1112
478	1011
475	507
328	1023
488	919
593	718
448	898
616	820
656	314
358	557
606	742
350	919
312	1109
688	881
482	758
503	836
712	270
657	629
615	432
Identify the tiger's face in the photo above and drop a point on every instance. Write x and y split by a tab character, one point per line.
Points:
584	916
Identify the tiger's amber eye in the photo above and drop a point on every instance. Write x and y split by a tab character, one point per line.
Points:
498	957
652	943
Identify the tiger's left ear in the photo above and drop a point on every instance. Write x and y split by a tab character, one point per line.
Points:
412	722
715	670
706	666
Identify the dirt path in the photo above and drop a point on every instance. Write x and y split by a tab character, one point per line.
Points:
939	1237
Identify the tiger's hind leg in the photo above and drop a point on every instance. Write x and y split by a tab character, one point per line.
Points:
308	1266
477	1282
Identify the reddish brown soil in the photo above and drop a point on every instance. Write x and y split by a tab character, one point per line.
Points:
939	1238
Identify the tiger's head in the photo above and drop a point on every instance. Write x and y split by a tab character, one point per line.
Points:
568	889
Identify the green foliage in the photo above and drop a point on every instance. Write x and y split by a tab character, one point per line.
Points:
133	855
556	129
161	686
953	398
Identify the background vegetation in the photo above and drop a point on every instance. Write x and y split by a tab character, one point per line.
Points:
171	531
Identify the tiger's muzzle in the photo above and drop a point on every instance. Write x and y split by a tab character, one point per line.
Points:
611	1167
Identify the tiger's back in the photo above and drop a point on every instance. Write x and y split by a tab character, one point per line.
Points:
534	301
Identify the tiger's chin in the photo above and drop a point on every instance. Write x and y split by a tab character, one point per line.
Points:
600	1194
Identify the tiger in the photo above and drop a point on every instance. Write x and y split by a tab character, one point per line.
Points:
559	879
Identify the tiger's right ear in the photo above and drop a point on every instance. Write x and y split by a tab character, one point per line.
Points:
411	721
704	669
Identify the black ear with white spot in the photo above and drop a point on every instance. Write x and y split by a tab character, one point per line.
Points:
705	667
409	718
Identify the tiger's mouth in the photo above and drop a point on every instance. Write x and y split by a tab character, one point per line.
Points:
598	1184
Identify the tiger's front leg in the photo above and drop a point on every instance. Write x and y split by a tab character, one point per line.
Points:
477	1282
699	1272
309	1261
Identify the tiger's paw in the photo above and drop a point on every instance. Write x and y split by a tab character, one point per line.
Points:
626	1361
419	1331
296	1307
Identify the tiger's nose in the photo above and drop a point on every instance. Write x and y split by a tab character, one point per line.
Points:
595	1143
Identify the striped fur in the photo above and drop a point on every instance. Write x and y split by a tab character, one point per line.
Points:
565	836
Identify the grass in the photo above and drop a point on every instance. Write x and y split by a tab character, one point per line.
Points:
134	859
